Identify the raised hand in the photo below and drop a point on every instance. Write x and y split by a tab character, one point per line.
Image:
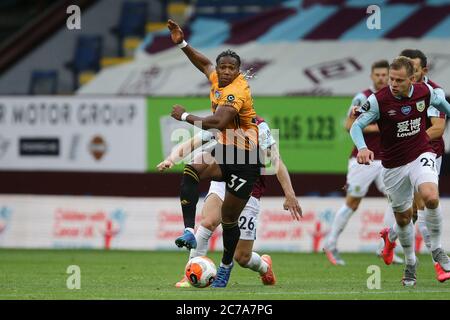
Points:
176	33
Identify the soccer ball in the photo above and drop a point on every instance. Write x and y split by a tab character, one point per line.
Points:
200	271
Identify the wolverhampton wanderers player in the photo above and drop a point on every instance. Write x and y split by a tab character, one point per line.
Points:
236	159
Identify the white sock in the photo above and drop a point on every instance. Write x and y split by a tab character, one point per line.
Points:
433	218
422	225
257	264
389	217
393	232
406	238
202	236
340	221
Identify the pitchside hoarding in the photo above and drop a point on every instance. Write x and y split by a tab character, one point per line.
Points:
311	132
73	133
121	134
154	223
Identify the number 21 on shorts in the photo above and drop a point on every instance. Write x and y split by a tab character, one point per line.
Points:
233	183
428	162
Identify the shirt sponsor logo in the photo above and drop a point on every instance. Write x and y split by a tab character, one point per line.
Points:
230	98
408	128
420	105
39	147
406	110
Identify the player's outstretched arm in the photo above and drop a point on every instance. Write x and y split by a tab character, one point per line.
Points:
218	120
198	60
179	152
290	202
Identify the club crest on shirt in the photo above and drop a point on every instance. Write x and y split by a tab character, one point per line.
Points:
420	105
217	94
406	110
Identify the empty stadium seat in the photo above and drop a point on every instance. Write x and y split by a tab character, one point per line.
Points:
132	22
43	82
88	52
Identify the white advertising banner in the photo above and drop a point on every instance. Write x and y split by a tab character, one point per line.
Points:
73	133
284	68
154	223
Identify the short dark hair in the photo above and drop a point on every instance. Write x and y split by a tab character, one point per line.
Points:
229	53
414	54
403	62
380	64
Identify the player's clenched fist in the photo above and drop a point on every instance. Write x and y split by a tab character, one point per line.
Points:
177	111
175	32
365	156
355	112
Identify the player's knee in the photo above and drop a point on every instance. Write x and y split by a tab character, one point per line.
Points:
242	258
353	203
431	199
210	223
432	202
403	220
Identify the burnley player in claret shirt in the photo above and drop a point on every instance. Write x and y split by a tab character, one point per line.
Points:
408	160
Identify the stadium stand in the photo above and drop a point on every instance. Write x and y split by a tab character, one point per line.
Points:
44	82
131	26
86	59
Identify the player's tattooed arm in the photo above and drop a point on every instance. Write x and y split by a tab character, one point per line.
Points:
219	120
201	62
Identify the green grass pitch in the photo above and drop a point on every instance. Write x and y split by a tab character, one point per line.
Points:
41	274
